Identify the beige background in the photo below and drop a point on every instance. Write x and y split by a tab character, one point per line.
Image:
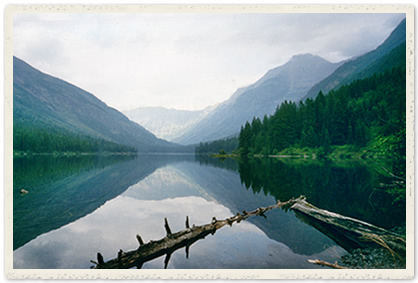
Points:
203	274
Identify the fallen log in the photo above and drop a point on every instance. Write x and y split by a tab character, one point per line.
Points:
174	241
348	232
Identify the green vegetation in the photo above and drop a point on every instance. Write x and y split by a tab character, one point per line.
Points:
46	108
219	147
363	119
29	140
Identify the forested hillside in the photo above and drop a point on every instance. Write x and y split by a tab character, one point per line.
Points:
368	115
42	140
384	57
50	115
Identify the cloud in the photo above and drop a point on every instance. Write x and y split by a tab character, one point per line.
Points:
186	61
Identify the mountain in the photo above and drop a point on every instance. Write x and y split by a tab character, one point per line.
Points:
41	101
290	81
390	54
166	123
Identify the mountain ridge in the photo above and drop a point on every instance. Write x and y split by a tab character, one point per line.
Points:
43	101
223	120
289	81
353	69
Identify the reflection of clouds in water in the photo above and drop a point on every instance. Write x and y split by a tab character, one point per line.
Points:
37	256
167	193
124	217
240	246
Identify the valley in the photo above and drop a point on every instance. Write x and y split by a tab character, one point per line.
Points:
335	132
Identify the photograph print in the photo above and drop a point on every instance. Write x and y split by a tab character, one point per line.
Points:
209	141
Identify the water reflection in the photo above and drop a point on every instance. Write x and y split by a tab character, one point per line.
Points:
225	188
350	188
141	210
101	205
63	189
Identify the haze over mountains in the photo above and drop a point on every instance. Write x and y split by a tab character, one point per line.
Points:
290	81
166	123
43	101
300	78
388	55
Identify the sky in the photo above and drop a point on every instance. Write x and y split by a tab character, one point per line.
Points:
184	61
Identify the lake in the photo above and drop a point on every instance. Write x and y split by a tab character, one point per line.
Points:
81	205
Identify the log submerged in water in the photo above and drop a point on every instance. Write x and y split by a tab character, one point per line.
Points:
345	231
348	232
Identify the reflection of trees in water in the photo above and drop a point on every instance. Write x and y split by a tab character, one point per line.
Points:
63	189
37	170
326	185
349	233
227	163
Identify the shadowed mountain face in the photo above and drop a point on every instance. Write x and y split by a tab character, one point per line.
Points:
390	54
301	78
43	101
290	81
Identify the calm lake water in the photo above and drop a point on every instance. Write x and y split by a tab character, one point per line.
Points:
78	206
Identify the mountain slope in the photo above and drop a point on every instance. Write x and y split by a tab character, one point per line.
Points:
365	65
45	102
166	123
290	81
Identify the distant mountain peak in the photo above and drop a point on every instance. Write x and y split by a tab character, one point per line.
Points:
306	57
303	56
289	81
356	67
166	123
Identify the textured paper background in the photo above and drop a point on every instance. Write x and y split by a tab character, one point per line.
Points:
210	273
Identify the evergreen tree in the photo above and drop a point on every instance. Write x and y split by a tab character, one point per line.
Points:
366	113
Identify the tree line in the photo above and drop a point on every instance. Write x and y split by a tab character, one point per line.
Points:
222	146
368	113
42	140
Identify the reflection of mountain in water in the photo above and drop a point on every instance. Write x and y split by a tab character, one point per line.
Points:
114	225
62	190
224	187
325	185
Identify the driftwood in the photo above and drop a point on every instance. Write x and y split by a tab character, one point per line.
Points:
347	232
